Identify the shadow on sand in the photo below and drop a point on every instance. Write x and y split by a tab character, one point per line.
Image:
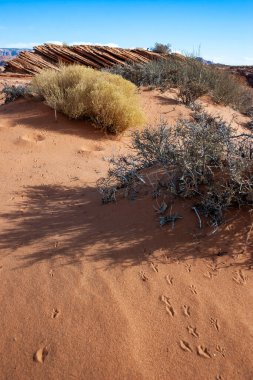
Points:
35	114
69	225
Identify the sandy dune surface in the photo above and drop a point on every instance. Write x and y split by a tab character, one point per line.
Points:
92	291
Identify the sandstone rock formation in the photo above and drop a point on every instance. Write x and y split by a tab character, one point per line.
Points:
50	55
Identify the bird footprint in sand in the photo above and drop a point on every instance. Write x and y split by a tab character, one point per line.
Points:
55	313
215	323
40	355
186	310
193	289
143	276
202	351
213	267
185	346
239	277
221	350
188	268
193	331
169	279
51	273
210	275
154	267
168	307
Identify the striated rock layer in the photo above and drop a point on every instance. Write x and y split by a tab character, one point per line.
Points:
50	55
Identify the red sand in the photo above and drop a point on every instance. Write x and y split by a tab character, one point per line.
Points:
102	292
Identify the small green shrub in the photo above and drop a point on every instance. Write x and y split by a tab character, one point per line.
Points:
110	101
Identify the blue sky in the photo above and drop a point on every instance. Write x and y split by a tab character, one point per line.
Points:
222	30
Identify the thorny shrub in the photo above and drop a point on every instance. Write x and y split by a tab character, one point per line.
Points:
203	159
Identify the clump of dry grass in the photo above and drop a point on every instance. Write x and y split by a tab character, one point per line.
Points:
110	101
202	159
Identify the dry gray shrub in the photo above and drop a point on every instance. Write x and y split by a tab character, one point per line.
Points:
202	159
161	48
14	92
192	78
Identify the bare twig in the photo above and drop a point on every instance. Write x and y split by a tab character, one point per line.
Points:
199	219
169	219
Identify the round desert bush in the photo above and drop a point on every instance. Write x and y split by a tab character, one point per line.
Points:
79	92
66	90
114	104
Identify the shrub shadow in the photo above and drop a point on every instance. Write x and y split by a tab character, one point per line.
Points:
69	225
167	101
37	115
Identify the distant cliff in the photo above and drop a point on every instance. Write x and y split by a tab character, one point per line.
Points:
6	54
10	52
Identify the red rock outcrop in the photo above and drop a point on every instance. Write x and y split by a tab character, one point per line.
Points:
50	55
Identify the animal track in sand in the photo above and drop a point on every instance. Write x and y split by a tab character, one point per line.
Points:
27	139
143	276
185	346
84	152
98	148
154	267
239	277
40	355
188	268
165	299
203	351
215	323
87	151
221	350
170	310
193	289
210	275
213	267
51	273
55	313
169	279
39	137
186	310
193	331
168	307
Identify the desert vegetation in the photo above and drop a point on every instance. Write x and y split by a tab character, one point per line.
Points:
202	159
108	100
161	48
192	78
12	93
